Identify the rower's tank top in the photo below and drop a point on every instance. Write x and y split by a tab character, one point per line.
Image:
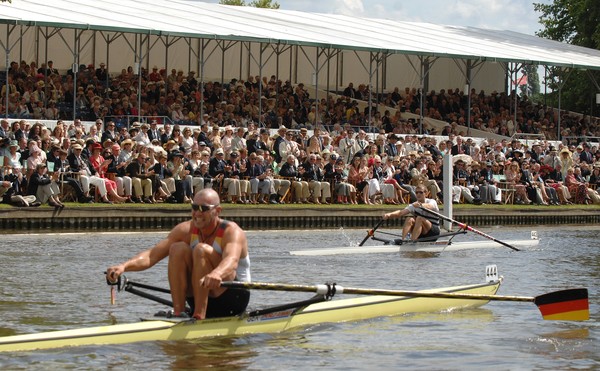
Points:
243	269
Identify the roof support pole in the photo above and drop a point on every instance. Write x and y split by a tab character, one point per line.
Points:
370	104
562	74
202	45
261	121
511	70
468	74
425	64
468	86
7	49
317	67
108	40
378	58
75	68
201	62
262	47
421	88
561	85
138	63
278	49
331	53
316	82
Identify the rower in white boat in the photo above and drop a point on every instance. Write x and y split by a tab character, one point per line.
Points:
418	224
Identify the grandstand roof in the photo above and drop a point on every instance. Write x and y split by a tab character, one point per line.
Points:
201	20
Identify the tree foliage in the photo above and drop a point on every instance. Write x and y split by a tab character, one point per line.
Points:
268	4
576	22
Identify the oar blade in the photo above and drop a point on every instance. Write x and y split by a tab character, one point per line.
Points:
564	305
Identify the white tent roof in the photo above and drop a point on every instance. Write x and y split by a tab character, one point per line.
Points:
213	21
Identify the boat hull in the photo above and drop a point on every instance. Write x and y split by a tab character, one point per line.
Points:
437	247
343	310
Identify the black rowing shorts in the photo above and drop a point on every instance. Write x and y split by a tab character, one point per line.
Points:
231	303
434	231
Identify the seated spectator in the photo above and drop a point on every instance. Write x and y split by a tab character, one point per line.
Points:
166	189
181	174
291	172
555	180
86	173
220	172
489	192
44	187
8	195
513	177
141	179
116	169
100	165
313	174
61	166
260	185
358	174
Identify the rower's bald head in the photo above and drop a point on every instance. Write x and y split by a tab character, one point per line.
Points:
207	196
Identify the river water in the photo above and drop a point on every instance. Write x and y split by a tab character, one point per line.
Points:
55	281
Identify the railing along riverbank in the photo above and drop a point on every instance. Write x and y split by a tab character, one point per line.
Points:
110	218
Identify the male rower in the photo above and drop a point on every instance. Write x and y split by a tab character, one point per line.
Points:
419	223
203	252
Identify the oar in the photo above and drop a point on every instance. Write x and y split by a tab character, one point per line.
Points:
469	228
568	305
370	232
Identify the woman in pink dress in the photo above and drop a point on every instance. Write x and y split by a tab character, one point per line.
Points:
100	165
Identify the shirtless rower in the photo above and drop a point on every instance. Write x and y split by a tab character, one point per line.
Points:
419	223
203	252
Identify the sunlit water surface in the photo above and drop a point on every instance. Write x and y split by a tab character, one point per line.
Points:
55	281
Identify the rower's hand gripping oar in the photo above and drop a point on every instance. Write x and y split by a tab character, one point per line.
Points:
469	228
114	285
371	232
567	305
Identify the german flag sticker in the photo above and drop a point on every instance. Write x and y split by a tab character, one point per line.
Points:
565	305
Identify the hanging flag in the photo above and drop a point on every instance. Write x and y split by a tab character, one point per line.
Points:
521	81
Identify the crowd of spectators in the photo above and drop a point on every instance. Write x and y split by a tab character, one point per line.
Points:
154	162
232	145
42	92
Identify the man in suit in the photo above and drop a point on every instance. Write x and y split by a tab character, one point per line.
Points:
109	132
87	174
153	132
314	176
586	155
61	166
141	179
460	147
390	147
203	136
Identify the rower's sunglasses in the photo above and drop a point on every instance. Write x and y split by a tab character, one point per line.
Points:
417	192
204	208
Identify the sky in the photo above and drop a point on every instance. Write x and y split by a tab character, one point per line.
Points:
514	15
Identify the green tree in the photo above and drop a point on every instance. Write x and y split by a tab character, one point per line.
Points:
256	3
576	22
233	2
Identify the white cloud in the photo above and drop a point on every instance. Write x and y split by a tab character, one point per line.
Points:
348	7
515	15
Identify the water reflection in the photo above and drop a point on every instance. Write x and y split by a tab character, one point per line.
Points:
226	353
56	282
